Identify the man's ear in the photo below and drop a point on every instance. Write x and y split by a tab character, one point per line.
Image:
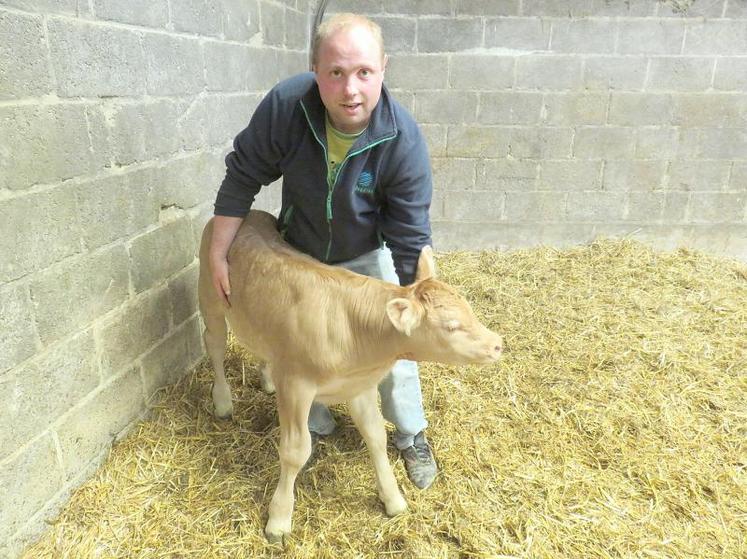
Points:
404	314
426	264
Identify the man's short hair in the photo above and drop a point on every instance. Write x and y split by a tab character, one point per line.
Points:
344	21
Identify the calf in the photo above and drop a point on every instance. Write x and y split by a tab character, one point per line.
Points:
330	335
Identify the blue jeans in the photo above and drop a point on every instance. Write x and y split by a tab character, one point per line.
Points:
401	399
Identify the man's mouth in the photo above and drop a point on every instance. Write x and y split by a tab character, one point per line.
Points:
350	106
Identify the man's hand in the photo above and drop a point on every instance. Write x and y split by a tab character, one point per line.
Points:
224	231
219	272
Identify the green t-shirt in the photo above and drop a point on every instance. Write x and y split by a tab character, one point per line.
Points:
338	144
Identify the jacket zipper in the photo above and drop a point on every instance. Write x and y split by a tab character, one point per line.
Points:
286	220
331	187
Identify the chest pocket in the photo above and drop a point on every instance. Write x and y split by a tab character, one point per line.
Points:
366	183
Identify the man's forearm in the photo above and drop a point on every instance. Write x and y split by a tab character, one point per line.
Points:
224	231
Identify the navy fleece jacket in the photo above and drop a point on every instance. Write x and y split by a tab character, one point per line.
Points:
382	192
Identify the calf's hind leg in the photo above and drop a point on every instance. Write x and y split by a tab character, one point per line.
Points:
215	342
365	412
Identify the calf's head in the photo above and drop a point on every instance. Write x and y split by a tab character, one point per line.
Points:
440	323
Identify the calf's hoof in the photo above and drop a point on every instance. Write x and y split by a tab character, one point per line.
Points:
395	506
222	404
276	533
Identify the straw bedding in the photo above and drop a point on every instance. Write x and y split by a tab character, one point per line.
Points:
615	426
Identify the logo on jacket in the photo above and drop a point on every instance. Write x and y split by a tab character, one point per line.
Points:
365	184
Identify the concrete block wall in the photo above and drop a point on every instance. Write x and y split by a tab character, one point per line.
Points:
554	122
114	121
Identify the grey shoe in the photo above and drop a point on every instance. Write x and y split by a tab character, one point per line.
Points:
419	462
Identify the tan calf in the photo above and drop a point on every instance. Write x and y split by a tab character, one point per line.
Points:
330	335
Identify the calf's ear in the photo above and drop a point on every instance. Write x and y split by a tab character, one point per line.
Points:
426	264
404	314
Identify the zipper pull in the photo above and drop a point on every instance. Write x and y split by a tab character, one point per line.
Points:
329	207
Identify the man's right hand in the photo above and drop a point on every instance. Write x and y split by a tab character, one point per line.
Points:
224	231
219	272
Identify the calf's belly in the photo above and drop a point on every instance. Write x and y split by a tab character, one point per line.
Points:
343	389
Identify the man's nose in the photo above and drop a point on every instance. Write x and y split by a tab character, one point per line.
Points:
351	87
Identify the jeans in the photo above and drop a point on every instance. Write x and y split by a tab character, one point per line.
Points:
401	398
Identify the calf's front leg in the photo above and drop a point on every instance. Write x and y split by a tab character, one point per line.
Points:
294	400
364	410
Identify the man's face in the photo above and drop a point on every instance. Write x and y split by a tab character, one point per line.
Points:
350	71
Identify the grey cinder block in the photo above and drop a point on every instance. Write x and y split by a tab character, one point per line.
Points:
50	143
651	37
137	12
477	141
540	143
481	71
297	30
172	358
143	131
449	35
731	74
160	253
680	74
202	17
720	37
524	34
535	206
71	294
506	174
27	483
173	65
640	109
95	59
240	19
414	7
39	392
272	23
573	109
637	175
585	36
487	8
446	107
596	207
116	207
417	72
55	235
612	72
92	427
183	293
570	174
132	330
399	33
24	68
465	206
509	107
451	173
597	142
228	66
717	207
657	142
19	340
548	72
691	175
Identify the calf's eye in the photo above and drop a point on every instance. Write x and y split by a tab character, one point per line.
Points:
452	326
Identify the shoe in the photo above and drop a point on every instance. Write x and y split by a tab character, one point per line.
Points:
419	462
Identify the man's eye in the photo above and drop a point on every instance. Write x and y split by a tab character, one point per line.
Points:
336	73
365	73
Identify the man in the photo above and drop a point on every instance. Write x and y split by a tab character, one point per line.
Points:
356	175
